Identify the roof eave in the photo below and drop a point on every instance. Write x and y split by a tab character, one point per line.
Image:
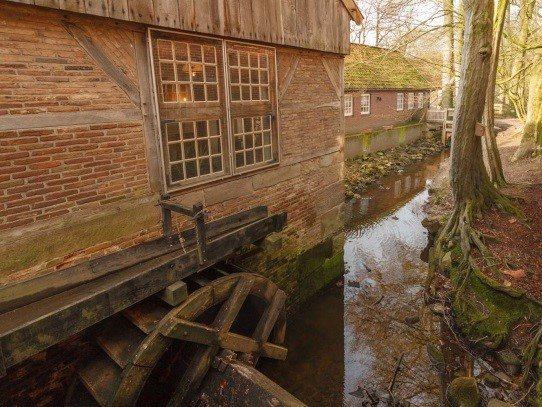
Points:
353	10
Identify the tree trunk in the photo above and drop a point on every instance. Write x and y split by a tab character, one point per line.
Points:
459	27
493	157
448	76
469	179
531	142
517	88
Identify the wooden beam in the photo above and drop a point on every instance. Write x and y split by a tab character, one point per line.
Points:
103	61
28	330
335	81
289	76
46	120
22	293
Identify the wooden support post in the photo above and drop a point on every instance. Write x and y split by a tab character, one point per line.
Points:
200	231
175	293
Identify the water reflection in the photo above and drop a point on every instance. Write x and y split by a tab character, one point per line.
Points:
344	346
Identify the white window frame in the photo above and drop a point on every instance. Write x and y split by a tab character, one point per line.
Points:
400	101
411	101
421	100
169	186
348	105
365	103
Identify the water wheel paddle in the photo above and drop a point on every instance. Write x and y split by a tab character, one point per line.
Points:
132	344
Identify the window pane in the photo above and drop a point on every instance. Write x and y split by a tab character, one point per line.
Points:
258	158
203	148
188	130
245	76
247	124
169	92
189	149
264	92
204	166
217	164
191	170
181	51
267	153
175	152
234	75
254	76
183	72
263	61
167	73
165	50
199	93
245	92
195	53
264	78
197	72
239	159
249	157
266	122
258	140
214	127
255	92
209	54
176	172
172	131
184	93
239	145
233	59
248	141
201	129
243	59
267	138
254	60
210	73
216	145
235	93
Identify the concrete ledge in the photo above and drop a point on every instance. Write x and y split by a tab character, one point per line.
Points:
228	190
378	140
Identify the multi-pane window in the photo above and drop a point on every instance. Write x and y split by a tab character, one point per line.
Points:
420	100
252	140
188	71
194	148
249	75
204	133
400	101
348	105
411	100
365	103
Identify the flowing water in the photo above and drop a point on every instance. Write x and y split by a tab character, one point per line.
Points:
367	333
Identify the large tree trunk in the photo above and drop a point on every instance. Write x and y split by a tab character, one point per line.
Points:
531	142
448	76
459	28
516	91
493	157
469	178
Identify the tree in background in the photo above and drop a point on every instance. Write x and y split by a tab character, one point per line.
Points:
531	142
448	75
492	152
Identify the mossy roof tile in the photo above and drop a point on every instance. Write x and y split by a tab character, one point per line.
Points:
369	68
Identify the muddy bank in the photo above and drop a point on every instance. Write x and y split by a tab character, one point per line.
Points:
492	309
364	172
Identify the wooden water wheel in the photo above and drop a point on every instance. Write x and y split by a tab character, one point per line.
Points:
215	316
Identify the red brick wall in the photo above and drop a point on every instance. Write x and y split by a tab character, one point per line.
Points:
56	174
383	111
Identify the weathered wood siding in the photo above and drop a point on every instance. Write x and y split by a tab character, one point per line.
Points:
320	25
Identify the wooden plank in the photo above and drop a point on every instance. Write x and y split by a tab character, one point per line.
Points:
141	11
103	61
289	75
175	293
166	13
30	329
98	7
200	363
150	122
75	5
46	120
333	77
19	294
190	331
240	343
187	15
118	9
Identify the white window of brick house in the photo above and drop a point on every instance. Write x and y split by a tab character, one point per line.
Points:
411	100
204	134
365	103
421	100
348	105
400	101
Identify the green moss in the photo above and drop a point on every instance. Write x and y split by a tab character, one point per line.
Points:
464	392
485	313
73	237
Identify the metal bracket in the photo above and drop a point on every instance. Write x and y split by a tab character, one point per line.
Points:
196	213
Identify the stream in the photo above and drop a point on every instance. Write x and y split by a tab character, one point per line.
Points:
367	332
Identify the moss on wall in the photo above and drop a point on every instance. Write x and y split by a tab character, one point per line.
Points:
75	237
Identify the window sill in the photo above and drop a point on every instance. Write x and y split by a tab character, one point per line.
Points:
219	180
